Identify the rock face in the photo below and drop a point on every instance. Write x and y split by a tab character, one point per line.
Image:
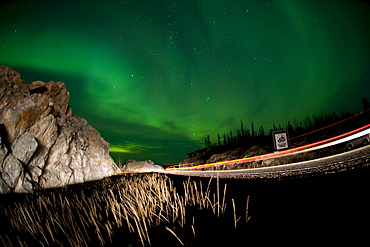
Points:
42	144
219	153
141	166
205	156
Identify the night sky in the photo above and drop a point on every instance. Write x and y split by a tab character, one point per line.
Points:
155	77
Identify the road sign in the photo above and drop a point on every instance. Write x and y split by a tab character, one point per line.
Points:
280	139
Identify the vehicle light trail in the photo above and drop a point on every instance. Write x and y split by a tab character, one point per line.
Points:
309	147
341	121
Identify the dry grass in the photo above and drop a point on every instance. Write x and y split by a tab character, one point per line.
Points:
91	214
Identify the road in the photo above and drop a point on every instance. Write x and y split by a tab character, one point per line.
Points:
336	163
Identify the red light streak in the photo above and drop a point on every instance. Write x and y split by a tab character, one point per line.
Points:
265	156
330	125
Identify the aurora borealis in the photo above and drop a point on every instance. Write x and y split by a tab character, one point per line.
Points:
155	77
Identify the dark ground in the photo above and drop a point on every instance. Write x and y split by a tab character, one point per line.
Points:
325	209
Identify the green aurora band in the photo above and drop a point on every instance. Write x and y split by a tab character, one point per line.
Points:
155	77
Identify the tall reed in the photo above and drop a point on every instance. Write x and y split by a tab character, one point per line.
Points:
92	213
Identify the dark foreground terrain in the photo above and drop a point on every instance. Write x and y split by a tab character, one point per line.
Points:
168	210
324	209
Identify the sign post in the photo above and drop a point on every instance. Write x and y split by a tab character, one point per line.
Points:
280	139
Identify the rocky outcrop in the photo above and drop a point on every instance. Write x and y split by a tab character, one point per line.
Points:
198	157
201	156
238	153
220	153
42	144
141	166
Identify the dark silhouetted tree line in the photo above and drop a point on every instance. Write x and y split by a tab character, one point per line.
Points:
243	136
257	136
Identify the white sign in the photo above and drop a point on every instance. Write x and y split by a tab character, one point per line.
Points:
280	139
